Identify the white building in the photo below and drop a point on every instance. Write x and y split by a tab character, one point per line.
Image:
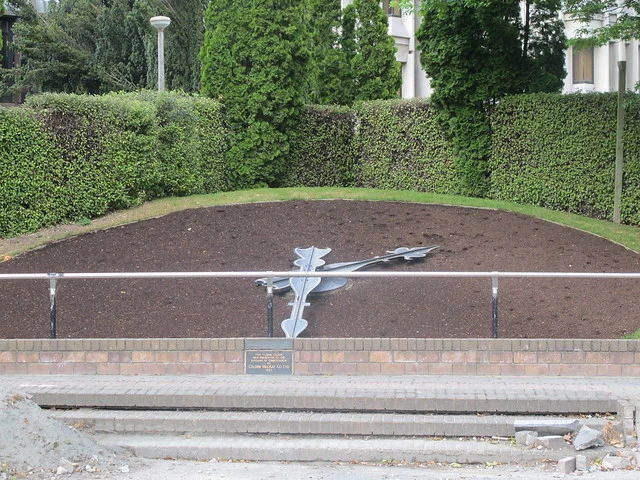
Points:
596	69
588	70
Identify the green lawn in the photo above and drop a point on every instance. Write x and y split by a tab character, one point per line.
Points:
626	235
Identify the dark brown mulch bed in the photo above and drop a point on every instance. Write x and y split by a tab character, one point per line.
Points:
258	237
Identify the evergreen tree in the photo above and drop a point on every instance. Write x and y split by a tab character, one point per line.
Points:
58	52
254	58
475	53
1	39
349	50
472	53
544	44
328	66
353	56
376	72
125	53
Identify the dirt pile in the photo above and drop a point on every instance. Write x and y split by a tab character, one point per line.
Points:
34	444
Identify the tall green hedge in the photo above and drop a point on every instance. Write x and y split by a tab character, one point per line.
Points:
558	151
29	164
190	146
399	146
67	157
381	144
75	156
322	150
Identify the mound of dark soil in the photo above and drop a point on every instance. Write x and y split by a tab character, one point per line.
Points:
259	237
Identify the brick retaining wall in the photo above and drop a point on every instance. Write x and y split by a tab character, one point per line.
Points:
325	356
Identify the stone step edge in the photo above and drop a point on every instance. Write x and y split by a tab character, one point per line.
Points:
371	403
319	449
298	423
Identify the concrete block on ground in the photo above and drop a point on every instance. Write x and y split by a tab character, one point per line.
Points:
522	437
567	465
552	442
614	462
531	439
582	463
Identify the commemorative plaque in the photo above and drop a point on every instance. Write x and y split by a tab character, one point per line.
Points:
268	357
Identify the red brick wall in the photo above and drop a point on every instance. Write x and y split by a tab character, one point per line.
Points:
322	356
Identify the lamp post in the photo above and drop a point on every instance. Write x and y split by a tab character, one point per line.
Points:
622	86
160	23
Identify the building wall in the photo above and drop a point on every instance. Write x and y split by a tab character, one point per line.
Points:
605	60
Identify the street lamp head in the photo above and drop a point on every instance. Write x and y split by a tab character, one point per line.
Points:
160	23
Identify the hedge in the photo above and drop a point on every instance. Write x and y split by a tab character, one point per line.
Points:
400	147
30	162
321	149
69	157
558	151
76	156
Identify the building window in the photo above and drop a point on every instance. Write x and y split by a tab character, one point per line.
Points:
390	9
583	65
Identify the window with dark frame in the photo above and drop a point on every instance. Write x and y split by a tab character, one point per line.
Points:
583	65
390	9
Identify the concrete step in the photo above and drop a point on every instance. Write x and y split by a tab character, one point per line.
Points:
332	449
318	399
297	423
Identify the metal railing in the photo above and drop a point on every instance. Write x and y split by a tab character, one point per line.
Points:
53	278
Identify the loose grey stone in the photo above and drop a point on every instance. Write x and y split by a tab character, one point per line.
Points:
531	439
522	437
587	438
548	426
582	463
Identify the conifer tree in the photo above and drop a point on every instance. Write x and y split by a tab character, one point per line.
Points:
255	59
376	72
125	53
328	68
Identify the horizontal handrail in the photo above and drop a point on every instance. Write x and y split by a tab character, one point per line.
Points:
297	273
53	277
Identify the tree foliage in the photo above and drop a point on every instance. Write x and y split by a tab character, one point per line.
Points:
1	39
328	72
58	47
255	59
125	53
626	25
475	53
353	56
543	45
375	70
91	46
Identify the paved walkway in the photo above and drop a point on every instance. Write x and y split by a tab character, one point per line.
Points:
398	393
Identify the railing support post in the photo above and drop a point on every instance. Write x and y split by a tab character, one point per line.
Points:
494	306
52	308
270	307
